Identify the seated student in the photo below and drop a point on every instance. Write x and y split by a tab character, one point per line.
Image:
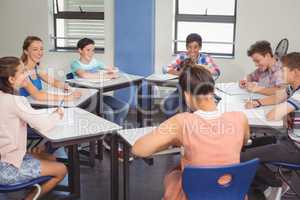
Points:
15	164
288	148
87	67
32	54
175	100
267	78
198	133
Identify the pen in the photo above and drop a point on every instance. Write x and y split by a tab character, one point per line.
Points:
61	103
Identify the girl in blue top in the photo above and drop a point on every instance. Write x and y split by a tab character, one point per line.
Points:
88	67
31	57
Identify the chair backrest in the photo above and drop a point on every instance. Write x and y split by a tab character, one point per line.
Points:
281	48
69	75
229	182
23	185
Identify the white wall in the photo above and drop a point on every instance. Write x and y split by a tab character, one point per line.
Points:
271	20
256	20
31	17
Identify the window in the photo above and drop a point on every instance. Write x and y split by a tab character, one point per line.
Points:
214	20
76	19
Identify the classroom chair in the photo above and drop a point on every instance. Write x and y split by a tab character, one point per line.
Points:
229	182
281	166
287	166
26	185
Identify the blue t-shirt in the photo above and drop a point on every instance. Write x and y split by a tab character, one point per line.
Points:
36	82
93	66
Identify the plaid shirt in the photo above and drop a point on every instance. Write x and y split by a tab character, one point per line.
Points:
271	77
203	59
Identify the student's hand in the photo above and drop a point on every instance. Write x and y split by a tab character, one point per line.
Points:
253	87
243	84
173	71
67	87
60	112
112	70
76	94
251	104
112	76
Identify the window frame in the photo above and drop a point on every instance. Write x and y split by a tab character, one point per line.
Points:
206	19
81	15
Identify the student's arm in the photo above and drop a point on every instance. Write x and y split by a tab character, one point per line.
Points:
277	98
37	119
279	111
87	75
51	81
44	96
174	67
213	67
159	139
253	87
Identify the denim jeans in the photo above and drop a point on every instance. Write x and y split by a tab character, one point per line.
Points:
114	109
174	103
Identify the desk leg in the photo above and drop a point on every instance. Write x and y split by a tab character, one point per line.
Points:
126	183
100	103
114	185
140	115
100	113
74	170
149	105
92	149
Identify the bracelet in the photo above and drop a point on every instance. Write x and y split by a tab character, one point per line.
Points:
259	103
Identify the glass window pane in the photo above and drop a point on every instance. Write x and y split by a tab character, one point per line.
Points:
86	5
214	7
72	30
212	32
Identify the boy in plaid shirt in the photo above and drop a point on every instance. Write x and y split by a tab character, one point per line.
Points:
267	78
174	102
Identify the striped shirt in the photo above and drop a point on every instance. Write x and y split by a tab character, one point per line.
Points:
294	101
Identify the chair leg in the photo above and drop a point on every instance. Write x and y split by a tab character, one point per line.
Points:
39	190
286	181
100	149
92	153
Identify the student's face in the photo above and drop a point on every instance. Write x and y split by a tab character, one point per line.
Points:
87	52
289	76
193	49
35	51
20	78
260	61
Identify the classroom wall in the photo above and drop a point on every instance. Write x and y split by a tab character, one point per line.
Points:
256	19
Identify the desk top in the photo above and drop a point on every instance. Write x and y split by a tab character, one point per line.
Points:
256	116
122	79
85	95
132	135
79	124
